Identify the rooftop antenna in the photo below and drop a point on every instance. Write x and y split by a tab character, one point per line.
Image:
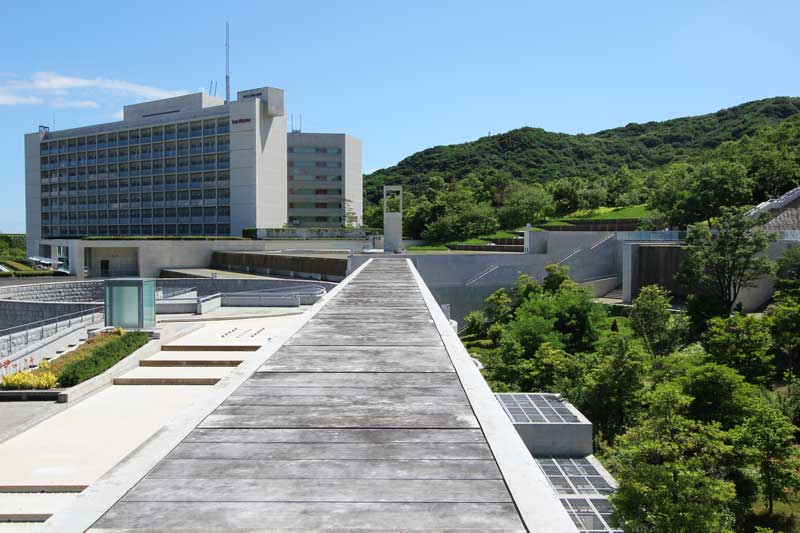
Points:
300	129
216	86
210	84
227	63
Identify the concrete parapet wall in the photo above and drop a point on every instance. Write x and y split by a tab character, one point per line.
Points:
281	264
208	286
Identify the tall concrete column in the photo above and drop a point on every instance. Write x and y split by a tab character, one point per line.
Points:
76	260
392	218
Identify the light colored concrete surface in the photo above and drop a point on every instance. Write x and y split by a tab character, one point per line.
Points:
35	502
81	443
200	356
177	372
221	274
232	313
16	417
251	332
19	527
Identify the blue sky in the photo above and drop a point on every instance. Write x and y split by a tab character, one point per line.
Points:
402	76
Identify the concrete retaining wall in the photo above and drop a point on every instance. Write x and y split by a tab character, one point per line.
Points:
16	313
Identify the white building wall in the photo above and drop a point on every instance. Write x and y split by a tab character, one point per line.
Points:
353	177
33	194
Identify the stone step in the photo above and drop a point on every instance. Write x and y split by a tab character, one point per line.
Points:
188	363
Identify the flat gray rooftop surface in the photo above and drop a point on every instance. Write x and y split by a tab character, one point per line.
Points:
359	422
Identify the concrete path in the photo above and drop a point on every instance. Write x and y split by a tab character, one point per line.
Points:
79	442
359	422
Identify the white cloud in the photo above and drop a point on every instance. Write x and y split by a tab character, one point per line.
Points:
74	91
61	103
10	98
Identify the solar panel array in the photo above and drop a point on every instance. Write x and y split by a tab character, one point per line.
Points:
525	408
574	475
591	515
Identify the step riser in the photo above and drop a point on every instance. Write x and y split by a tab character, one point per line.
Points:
173	364
49	489
166	381
224	348
23	517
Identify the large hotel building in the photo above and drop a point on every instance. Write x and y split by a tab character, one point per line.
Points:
189	165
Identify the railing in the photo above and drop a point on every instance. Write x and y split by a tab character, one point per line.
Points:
15	339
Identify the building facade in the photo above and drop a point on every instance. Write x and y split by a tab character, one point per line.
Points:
189	165
325	180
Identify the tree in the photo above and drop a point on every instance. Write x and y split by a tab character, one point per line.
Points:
612	389
570	312
524	288
787	278
742	342
523	204
783	317
722	258
719	394
769	438
475	323
555	277
650	318
498	307
669	470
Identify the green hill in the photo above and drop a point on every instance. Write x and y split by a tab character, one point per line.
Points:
536	155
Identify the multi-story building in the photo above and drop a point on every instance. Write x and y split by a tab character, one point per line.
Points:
189	165
324	172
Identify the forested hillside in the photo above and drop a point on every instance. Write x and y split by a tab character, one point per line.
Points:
538	155
684	170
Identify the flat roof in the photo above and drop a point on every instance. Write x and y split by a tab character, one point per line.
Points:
369	416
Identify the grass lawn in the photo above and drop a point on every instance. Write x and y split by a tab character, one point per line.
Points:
471	241
609	213
428	248
500	234
15	266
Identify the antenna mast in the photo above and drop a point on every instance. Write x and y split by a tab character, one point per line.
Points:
227	64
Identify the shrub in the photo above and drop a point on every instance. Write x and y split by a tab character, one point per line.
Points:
102	358
475	323
42	378
13	265
249	233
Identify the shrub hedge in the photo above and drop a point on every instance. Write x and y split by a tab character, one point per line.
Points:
17	267
102	358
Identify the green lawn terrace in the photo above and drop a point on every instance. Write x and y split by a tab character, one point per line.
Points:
596	219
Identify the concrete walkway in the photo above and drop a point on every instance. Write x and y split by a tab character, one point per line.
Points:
362	420
79	442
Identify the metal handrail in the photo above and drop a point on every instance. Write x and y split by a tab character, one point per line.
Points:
48	321
12	338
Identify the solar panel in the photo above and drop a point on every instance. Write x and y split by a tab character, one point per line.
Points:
590	515
537	408
574	475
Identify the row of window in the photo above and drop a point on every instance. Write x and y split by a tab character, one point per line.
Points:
315	164
136	136
63	177
103	157
312	205
84	189
146	213
313	150
156	167
122	230
124	204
